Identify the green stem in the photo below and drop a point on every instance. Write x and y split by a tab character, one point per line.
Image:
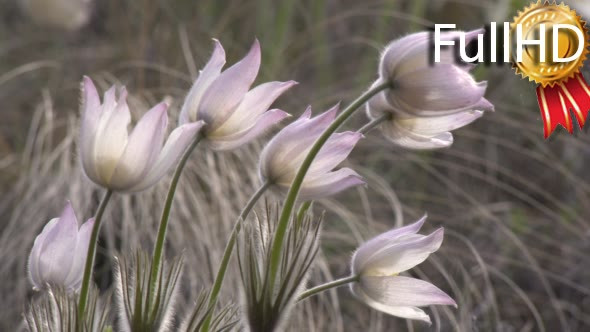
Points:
277	244
91	254
229	248
374	123
326	286
159	247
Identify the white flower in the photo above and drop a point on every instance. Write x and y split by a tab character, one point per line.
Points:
115	159
378	263
283	155
62	14
426	101
59	252
233	114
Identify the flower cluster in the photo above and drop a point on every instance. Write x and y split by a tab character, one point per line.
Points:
426	102
417	106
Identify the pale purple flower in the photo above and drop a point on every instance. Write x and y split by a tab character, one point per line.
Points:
427	101
378	263
282	156
233	114
115	159
59	252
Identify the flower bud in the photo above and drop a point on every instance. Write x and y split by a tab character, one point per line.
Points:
59	252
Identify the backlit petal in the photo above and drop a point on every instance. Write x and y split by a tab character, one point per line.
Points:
404	292
227	91
175	146
401	254
367	249
402	312
207	75
143	148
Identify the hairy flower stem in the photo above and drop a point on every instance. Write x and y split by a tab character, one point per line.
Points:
277	245
374	123
159	247
229	248
326	286
91	255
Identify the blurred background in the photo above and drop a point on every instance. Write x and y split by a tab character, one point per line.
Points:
514	206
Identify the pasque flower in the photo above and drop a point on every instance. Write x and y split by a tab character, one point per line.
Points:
115	159
426	101
62	14
378	262
282	156
233	114
59	252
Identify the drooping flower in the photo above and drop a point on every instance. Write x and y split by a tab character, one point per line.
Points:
115	159
233	114
62	14
426	101
378	263
59	252
282	156
418	132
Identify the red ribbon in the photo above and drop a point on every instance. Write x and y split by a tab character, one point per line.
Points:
556	102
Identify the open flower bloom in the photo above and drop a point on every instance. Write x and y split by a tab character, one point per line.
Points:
115	159
283	155
59	252
378	263
233	114
427	101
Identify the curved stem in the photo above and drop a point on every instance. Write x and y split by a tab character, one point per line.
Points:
326	286
159	247
229	248
277	244
374	123
91	254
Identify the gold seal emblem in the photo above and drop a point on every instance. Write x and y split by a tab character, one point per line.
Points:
549	73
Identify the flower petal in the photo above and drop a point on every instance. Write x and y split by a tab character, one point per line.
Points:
402	312
328	184
437	90
410	53
409	140
335	151
438	124
401	255
282	156
255	103
143	148
55	253
91	110
175	146
112	131
263	122
74	277
225	93
367	249
207	75
404	292
33	263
